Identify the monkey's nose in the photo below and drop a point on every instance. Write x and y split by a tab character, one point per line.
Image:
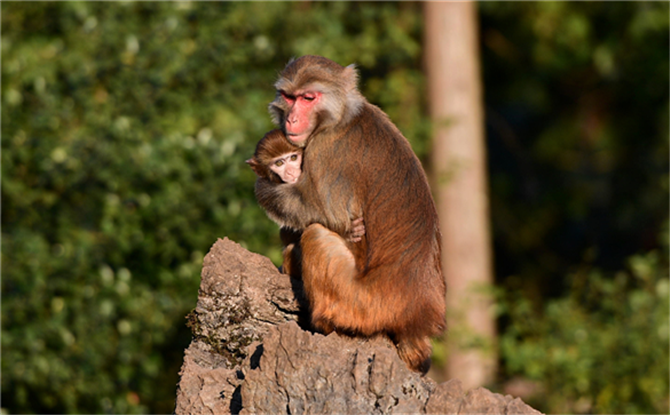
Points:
292	178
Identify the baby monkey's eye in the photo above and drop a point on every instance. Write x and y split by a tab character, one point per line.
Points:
279	163
294	157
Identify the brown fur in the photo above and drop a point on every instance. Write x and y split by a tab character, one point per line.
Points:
357	163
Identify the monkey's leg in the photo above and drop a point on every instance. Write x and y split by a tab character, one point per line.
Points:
291	260
291	253
338	296
325	255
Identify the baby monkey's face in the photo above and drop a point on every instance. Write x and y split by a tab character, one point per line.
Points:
288	166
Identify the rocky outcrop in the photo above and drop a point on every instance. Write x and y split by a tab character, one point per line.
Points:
250	355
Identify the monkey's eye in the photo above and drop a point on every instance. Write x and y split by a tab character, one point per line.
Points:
279	163
309	97
287	97
294	157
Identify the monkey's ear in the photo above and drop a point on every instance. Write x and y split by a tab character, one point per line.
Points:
350	75
255	166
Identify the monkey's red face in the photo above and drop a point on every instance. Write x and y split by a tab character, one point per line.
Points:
301	116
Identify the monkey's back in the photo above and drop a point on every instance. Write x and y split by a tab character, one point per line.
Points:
402	250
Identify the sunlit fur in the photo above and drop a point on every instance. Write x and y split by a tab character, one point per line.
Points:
357	163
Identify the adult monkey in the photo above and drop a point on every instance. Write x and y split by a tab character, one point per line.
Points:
356	163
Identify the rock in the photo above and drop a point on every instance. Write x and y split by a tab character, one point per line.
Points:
241	296
206	385
300	372
446	398
250	355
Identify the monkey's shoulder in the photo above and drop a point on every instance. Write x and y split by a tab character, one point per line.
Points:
373	127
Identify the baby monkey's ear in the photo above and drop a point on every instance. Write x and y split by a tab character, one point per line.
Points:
256	167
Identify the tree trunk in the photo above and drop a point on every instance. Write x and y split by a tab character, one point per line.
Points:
459	174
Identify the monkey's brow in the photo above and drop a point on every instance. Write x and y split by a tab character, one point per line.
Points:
309	90
284	157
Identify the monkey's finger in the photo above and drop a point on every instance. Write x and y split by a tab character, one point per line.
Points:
356	235
358	230
358	224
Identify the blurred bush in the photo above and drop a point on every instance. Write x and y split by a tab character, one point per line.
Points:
603	348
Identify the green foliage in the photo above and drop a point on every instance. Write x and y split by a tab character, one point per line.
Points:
125	130
603	348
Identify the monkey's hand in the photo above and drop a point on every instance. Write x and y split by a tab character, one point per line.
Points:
357	230
285	204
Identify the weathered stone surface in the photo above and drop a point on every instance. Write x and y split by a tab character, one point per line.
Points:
482	401
206	385
241	296
446	398
250	356
300	372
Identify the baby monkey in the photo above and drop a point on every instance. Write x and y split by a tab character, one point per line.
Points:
280	162
276	159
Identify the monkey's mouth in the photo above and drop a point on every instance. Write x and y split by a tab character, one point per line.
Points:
297	139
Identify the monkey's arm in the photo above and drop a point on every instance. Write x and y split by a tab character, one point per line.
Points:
289	207
285	204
